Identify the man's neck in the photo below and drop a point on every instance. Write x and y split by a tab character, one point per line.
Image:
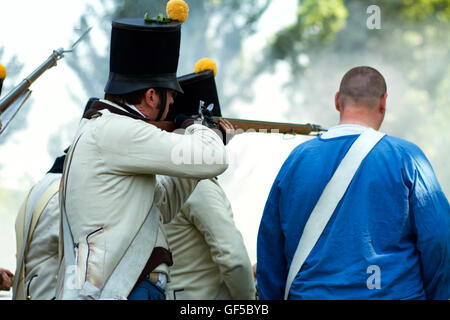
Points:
359	115
343	130
360	122
135	109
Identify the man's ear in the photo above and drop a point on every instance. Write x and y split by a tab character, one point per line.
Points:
383	103
150	97
336	101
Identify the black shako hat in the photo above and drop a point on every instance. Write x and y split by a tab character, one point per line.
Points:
196	87
143	55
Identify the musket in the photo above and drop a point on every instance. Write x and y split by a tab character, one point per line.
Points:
243	125
11	103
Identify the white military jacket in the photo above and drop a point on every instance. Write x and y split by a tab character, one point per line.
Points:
37	262
119	170
210	260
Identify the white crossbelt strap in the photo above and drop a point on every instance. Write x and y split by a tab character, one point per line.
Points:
121	281
329	199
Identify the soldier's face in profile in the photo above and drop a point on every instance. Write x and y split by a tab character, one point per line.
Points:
170	98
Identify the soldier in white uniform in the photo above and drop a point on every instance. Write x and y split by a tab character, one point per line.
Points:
124	176
210	260
37	236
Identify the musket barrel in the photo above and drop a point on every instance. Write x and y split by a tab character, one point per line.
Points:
273	127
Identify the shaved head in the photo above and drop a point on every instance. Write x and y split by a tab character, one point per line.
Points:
361	86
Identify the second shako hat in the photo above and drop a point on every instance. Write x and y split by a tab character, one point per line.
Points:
197	86
144	54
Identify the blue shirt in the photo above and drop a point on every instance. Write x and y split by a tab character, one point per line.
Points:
389	237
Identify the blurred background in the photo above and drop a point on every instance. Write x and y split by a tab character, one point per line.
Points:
278	60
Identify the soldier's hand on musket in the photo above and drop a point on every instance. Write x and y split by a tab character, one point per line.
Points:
226	126
6	279
228	130
183	121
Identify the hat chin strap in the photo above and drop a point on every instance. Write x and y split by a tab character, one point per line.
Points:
164	101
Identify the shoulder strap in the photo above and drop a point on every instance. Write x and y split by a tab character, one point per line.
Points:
24	237
99	105
120	283
66	245
329	199
49	193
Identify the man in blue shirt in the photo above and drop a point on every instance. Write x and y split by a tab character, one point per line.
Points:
389	236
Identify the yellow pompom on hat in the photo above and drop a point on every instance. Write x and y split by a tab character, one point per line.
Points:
205	64
177	10
2	72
